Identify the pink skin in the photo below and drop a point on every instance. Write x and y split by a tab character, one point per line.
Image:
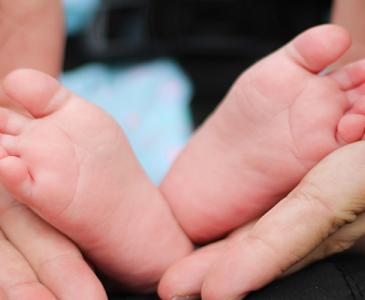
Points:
31	37
35	27
323	215
71	163
278	120
258	253
60	131
37	261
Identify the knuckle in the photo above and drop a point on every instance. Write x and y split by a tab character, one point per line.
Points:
273	253
312	194
336	246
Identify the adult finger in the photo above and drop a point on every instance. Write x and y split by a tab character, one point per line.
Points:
339	241
331	196
17	279
57	263
32	35
184	279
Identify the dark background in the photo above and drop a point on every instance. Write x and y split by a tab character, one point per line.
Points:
214	40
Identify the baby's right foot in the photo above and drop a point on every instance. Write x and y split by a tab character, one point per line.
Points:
279	119
71	163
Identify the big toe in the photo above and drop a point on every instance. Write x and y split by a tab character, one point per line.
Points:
37	92
318	47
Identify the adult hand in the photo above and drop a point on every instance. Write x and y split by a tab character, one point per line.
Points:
31	35
323	215
351	16
37	262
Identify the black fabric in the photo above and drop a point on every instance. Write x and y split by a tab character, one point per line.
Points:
341	277
214	40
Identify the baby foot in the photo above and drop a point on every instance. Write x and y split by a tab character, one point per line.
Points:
70	162
279	119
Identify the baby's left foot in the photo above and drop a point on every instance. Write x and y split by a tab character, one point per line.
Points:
71	163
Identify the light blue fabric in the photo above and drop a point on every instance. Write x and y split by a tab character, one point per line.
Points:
79	13
150	101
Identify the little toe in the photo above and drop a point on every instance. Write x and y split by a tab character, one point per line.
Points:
351	128
15	177
318	47
39	93
11	122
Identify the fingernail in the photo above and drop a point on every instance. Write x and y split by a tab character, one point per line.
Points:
240	297
186	298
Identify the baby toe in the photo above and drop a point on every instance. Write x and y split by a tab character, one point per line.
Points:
350	76
351	128
318	47
39	93
15	177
